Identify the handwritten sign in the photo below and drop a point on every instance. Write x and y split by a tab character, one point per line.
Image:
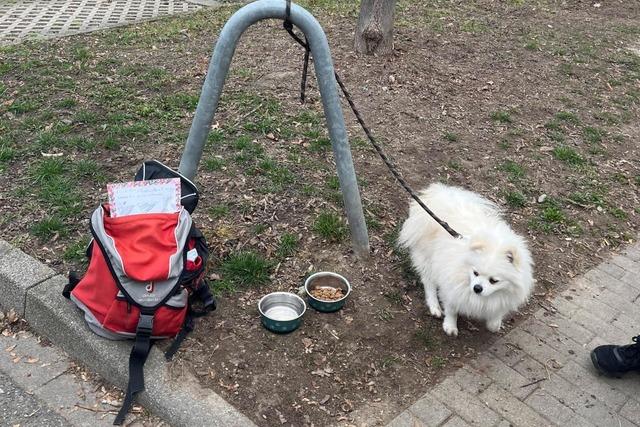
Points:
141	197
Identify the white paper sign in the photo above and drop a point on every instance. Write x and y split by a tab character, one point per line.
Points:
141	197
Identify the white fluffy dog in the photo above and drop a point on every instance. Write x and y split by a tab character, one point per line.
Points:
485	275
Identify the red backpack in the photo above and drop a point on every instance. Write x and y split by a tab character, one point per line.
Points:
144	273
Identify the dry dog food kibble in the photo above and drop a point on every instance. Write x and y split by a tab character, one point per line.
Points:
327	294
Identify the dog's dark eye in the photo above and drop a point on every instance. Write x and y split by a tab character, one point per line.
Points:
475	273
493	281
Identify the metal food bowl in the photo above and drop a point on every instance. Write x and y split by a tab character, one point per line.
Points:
327	279
281	312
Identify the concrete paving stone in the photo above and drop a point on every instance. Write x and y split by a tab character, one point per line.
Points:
550	336
563	305
631	411
627	324
547	405
4	247
590	383
633	253
609	268
619	298
504	423
31	364
455	422
537	349
470	408
578	421
19	408
183	400
565	326
631	279
77	402
19	272
587	300
503	375
406	419
501	401
585	404
430	410
627	264
507	351
594	324
606	281
471	380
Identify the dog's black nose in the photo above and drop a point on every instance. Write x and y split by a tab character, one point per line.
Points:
477	288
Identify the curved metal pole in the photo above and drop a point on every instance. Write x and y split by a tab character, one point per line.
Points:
214	82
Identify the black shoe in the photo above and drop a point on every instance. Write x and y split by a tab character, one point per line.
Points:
617	359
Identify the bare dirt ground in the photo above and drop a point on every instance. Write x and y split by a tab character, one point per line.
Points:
530	103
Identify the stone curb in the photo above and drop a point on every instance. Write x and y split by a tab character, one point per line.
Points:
34	291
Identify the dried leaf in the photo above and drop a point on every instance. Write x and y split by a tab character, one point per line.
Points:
32	360
10	349
12	316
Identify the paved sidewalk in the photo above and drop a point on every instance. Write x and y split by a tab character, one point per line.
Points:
24	19
41	386
540	373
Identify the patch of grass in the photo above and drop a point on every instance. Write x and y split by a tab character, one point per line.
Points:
111	143
329	226
568	155
532	45
87	168
219	211
86	117
76	252
48	227
550	217
454	165
619	214
389	361
385	315
333	183
287	246
473	26
450	136
215	137
393	296
606	117
23	106
586	198
320	144
48	169
501	116
7	152
592	135
438	362
566	116
426	338
66	103
515	199
514	170
213	164
80	143
245	269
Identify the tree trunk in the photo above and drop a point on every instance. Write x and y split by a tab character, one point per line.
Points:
374	33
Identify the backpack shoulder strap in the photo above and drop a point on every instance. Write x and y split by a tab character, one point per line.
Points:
137	358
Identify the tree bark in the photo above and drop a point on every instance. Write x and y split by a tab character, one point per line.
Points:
374	33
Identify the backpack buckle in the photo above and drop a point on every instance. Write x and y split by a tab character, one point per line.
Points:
145	324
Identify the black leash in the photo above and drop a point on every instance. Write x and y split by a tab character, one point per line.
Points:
289	27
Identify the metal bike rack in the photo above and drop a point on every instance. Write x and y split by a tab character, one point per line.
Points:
214	82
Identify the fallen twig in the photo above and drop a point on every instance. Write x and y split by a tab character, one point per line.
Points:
533	382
